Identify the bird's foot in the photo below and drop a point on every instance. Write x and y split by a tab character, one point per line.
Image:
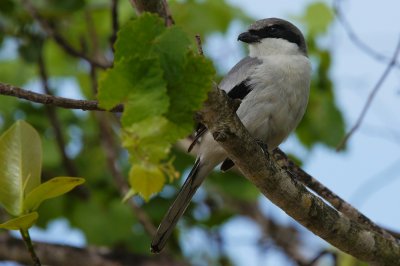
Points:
263	146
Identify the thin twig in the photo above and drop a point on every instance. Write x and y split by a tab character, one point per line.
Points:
28	242
356	39
63	43
114	22
371	97
199	45
85	105
169	21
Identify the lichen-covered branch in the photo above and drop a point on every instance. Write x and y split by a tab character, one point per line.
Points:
289	194
337	202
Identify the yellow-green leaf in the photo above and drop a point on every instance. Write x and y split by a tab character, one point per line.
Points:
22	222
146	179
20	165
50	189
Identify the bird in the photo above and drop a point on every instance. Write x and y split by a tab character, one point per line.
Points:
273	86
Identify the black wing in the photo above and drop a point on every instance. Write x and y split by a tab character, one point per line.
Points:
237	75
238	92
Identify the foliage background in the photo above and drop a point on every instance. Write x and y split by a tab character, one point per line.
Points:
338	81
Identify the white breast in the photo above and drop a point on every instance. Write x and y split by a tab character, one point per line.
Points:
279	97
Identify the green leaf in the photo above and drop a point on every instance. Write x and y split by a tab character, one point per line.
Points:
146	180
171	46
323	121
161	83
137	37
188	94
20	165
318	17
55	187
149	140
138	83
23	222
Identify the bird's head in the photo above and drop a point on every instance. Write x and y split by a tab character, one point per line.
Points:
273	36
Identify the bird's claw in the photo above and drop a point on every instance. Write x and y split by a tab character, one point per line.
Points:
263	146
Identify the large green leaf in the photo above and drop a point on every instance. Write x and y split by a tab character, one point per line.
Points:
20	165
138	83
161	82
55	187
189	91
21	223
133	40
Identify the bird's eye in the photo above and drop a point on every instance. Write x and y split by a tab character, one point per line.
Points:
272	29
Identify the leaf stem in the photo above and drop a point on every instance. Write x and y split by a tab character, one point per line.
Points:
28	242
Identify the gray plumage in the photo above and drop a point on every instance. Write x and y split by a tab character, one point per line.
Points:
273	83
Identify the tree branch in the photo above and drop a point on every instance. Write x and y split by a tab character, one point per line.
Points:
371	97
12	249
159	7
85	105
337	202
114	22
287	193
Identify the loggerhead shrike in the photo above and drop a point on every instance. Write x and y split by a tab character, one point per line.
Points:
273	84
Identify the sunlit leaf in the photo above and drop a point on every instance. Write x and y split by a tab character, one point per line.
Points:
146	180
149	140
20	165
161	82
54	187
22	222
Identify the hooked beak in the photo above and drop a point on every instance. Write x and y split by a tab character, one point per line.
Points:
247	37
